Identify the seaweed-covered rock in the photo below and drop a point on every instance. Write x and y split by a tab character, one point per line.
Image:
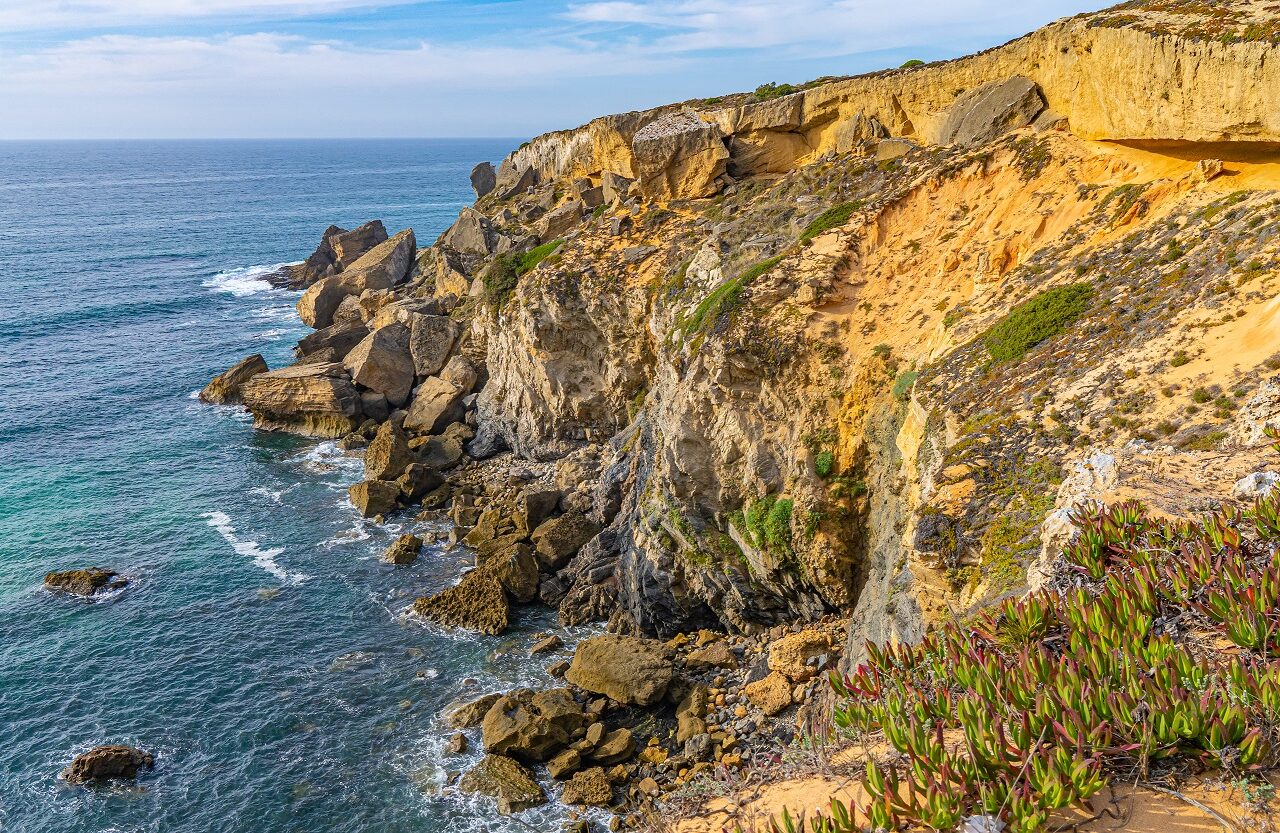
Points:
110	761
85	581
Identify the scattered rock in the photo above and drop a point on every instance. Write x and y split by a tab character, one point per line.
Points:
374	497
382	267
435	404
471	714
559	539
504	779
471	234
382	363
770	695
224	389
1256	485
546	646
626	668
111	761
388	455
318	304
564	763
715	655
1207	170
530	726
314	399
616	747
588	787
477	603
405	550
517	569
85	582
790	655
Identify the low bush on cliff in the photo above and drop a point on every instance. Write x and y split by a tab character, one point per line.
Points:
1037	320
1160	651
767	92
724	298
504	273
833	217
766	524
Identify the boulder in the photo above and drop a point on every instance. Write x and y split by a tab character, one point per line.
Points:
588	787
483	179
549	645
350	246
558	221
532	726
471	714
626	668
418	479
435	404
388	454
891	149
517	570
450	273
770	695
314	399
441	453
614	748
534	505
431	340
349	311
690	713
382	267
477	603
504	779
1255	486
85	581
462	372
564	763
715	655
513	180
381	362
790	655
988	112
318	304
614	187
374	497
224	389
321	264
404	551
109	761
470	234
558	540
340	337
678	156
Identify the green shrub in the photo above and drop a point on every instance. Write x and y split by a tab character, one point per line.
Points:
766	522
502	276
766	92
913	63
1179	359
824	464
833	217
1037	320
724	298
903	384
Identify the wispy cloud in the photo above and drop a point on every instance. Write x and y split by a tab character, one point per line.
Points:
20	15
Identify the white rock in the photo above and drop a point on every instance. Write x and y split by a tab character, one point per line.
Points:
1254	486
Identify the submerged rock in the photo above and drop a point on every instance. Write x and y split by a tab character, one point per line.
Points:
85	581
224	389
404	551
109	761
504	779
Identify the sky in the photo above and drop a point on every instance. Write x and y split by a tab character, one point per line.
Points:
461	68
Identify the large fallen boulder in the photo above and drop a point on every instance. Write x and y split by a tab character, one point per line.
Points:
558	540
504	779
374	497
483	179
625	668
333	342
388	454
381	362
317	399
477	603
988	112
532	727
320	302
350	246
679	157
404	551
110	761
431	340
470	234
382	267
85	581
338	249
435	405
224	389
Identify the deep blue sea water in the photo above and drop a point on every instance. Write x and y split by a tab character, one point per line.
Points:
261	650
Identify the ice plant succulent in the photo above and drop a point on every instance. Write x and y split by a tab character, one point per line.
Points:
1160	641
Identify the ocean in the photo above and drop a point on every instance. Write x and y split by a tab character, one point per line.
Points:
261	650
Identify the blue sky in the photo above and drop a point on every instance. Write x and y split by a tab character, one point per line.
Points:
390	68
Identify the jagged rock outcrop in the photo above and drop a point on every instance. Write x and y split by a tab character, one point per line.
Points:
108	762
224	389
483	179
318	400
985	114
85	581
679	156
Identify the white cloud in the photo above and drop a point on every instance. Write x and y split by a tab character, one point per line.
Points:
19	15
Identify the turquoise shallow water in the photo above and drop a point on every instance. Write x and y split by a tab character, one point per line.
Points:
261	650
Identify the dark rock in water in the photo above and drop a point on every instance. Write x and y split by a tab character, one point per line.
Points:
84	582
224	389
507	781
404	551
477	603
483	179
546	646
112	761
457	745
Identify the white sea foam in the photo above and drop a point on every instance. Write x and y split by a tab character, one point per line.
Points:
327	458
262	558
248	280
